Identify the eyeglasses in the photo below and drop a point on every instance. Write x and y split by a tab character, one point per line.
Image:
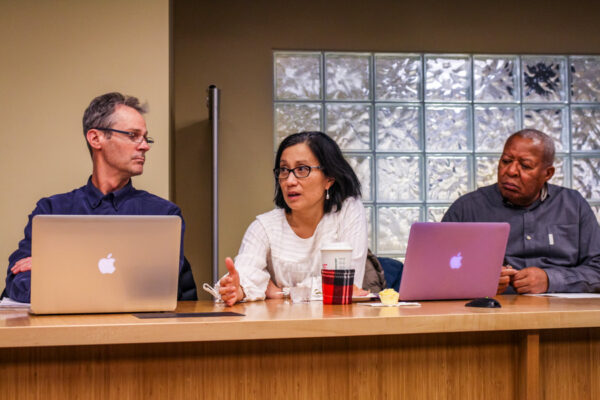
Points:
136	138
301	171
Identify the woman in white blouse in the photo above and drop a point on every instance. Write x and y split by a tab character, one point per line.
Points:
317	195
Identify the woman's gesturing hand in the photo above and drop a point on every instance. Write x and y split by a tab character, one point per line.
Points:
230	290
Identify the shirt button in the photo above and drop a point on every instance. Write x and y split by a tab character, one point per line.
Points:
528	237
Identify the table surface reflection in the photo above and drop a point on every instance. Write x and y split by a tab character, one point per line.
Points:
274	319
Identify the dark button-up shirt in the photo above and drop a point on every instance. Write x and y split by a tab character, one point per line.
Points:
89	200
559	234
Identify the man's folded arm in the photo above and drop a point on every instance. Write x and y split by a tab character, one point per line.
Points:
585	276
18	287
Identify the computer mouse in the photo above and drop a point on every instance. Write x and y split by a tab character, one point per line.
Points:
486	302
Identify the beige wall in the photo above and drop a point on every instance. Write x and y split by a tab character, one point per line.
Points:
55	56
230	44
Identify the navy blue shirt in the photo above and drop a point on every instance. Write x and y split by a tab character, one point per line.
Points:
558	233
89	200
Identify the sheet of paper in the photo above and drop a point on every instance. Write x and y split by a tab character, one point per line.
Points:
9	303
399	304
568	295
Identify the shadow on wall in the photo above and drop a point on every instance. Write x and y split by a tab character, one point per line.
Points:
193	193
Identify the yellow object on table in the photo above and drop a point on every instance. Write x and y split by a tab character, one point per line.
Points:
388	296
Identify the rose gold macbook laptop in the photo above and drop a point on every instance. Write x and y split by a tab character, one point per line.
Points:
104	264
453	260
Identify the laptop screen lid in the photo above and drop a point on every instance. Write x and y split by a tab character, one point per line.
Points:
108	263
453	260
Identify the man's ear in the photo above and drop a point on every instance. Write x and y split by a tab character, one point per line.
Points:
549	173
93	138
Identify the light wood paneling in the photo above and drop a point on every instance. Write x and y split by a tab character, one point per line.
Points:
480	365
529	366
391	367
570	360
531	348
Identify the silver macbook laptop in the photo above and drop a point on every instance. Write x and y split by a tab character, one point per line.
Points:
453	260
102	264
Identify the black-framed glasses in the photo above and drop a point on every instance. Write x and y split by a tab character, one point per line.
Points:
301	171
136	138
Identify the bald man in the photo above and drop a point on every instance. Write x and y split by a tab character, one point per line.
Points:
554	242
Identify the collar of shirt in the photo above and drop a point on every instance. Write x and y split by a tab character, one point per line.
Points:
95	197
544	194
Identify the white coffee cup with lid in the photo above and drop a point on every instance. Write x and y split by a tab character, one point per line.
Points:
336	255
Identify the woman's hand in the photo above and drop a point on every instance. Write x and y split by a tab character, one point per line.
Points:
359	292
230	290
273	291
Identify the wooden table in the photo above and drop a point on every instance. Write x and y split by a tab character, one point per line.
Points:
530	348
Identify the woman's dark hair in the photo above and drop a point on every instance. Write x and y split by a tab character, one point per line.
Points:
333	164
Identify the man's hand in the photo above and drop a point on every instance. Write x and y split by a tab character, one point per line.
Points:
230	290
24	264
505	275
530	280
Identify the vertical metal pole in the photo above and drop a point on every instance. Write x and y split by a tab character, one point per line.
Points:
213	116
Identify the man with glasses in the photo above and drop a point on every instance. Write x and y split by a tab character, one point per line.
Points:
117	139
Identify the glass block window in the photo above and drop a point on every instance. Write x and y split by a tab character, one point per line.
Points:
420	130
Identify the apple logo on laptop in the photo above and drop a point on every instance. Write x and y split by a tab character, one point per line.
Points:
107	265
456	261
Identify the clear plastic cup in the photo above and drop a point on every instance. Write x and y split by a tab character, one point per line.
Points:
300	294
300	281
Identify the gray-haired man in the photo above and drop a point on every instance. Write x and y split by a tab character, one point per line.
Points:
117	138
